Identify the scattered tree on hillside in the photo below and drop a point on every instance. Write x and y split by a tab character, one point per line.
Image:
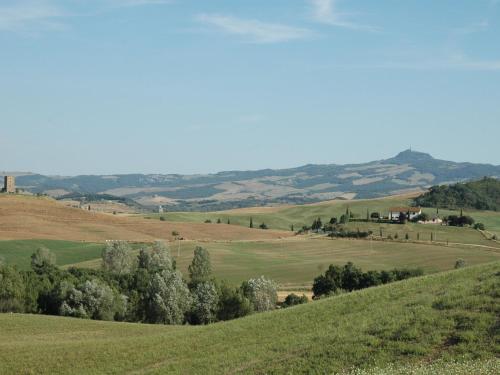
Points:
232	303
12	290
42	259
317	224
205	301
460	263
263	226
168	298
459	221
92	299
344	219
200	269
262	293
251	223
117	258
156	258
349	278
293	300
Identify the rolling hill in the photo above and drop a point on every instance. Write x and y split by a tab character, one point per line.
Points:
482	194
29	217
443	323
407	171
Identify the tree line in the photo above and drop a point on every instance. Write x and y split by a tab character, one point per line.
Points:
348	278
146	288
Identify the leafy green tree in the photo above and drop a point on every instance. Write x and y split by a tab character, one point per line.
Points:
263	226
12	290
117	258
251	223
344	219
351	277
92	299
200	269
262	293
328	283
369	279
317	224
42	260
205	301
293	300
232	303
168	298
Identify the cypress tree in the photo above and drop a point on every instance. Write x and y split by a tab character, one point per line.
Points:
251	223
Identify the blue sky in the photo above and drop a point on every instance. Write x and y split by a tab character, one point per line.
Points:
110	86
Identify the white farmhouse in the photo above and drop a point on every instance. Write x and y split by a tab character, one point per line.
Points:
410	212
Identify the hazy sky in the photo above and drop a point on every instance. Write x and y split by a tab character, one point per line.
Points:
110	86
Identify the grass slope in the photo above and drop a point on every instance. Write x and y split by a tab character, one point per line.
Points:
444	317
283	217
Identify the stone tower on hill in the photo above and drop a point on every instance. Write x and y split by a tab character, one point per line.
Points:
9	184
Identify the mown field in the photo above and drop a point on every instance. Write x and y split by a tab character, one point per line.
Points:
294	263
445	321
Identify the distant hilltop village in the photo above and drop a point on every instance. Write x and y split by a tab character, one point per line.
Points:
9	184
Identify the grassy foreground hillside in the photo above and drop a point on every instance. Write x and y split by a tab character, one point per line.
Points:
431	322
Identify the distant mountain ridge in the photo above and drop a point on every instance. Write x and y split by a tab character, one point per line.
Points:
407	171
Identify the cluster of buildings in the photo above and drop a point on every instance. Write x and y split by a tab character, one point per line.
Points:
9	185
411	213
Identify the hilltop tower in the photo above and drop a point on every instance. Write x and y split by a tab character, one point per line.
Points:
9	184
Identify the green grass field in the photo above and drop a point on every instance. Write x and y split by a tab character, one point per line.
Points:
294	263
19	252
445	321
283	218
